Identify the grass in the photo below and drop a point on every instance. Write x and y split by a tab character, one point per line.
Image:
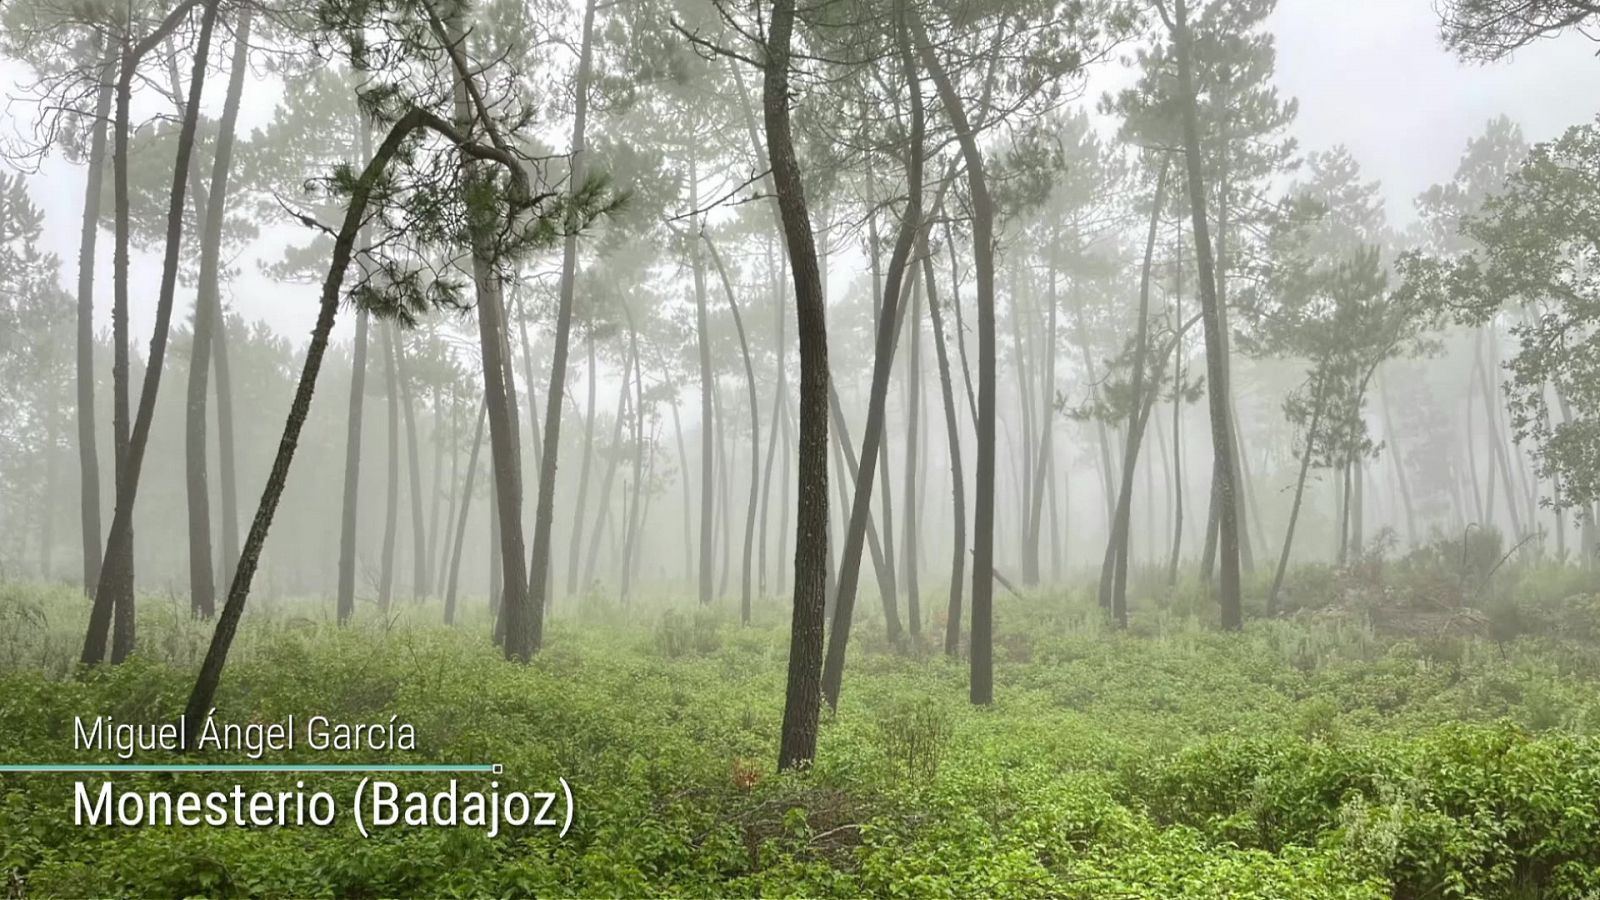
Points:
1313	756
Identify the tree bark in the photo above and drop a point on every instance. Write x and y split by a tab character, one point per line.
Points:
391	492
1221	424
461	520
755	434
346	604
952	627
982	642
115	589
798	738
544	514
88	450
419	531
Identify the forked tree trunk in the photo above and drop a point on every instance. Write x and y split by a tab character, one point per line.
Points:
88	451
115	589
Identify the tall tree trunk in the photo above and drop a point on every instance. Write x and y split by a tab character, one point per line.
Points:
1221	424
1400	478
1294	509
419	532
755	434
447	527
544	515
227	453
461	520
908	502
982	678
207	312
204	693
1115	569
115	589
434	494
798	738
952	627
1023	468
88	449
891	306
352	472
1177	418
1497	439
631	542
585	462
1041	479
391	491
604	502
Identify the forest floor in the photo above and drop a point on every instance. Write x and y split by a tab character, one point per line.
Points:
1315	755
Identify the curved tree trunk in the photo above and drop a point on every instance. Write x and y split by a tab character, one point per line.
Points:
88	450
201	698
116	575
544	511
982	653
755	433
798	738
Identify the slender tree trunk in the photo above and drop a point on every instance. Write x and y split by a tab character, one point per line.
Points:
1497	440
982	642
391	491
1391	438
202	697
88	449
798	738
952	632
891	305
603	504
1177	419
1294	509
434	494
755	434
352	473
207	312
635	522
1221	424
450	502
585	462
461	520
725	517
1041	478
544	515
908	502
227	453
419	532
1115	569
115	589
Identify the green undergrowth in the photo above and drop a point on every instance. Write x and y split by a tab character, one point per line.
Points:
1305	758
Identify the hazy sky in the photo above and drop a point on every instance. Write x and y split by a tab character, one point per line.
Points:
1368	73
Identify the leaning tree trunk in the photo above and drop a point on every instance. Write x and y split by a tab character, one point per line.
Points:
116	575
88	451
1115	570
958	561
205	688
798	738
1221	425
755	434
461	520
603	505
207	312
544	510
1294	508
891	304
982	642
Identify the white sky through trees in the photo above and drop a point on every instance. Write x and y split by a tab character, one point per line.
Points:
1371	74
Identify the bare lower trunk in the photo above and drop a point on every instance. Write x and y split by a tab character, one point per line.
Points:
391	491
461	520
346	606
952	632
88	451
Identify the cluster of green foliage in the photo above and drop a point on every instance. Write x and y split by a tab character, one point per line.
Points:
1311	756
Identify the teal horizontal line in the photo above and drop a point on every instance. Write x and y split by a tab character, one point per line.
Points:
242	767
